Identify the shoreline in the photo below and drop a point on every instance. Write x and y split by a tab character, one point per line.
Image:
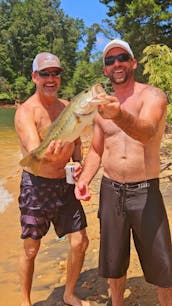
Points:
9	105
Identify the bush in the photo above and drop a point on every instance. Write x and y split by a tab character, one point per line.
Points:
169	114
5	98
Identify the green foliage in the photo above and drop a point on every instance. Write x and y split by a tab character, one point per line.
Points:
85	74
4	85
5	90
20	85
141	23
169	114
157	62
4	97
91	40
28	27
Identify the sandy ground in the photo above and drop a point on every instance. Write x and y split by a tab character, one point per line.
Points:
50	269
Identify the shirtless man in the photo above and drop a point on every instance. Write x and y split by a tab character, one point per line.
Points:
126	140
48	198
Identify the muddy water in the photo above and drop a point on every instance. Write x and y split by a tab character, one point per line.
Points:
9	152
9	155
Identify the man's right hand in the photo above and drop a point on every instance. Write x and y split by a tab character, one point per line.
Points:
57	149
110	110
82	191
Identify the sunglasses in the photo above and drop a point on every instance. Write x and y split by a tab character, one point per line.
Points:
45	74
110	60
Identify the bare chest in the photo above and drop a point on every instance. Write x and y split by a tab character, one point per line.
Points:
44	118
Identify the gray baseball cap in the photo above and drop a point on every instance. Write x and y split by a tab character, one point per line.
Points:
45	60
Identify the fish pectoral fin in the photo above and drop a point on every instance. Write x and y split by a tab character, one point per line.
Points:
25	161
87	131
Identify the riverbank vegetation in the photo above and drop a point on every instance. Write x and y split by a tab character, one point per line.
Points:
28	27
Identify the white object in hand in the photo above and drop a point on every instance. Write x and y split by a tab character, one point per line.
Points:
69	173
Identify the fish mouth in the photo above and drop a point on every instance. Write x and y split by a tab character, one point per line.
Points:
83	114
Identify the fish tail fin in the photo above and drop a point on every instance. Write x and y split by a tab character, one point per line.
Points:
31	161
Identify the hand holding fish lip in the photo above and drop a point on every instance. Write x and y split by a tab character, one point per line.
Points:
110	110
101	98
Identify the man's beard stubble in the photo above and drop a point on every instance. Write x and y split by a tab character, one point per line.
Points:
114	80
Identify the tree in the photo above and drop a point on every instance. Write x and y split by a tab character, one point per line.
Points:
28	27
141	22
91	40
85	75
31	26
157	62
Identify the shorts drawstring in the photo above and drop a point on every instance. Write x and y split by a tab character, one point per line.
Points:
122	198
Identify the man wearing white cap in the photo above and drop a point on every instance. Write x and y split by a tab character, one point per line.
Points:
47	198
126	141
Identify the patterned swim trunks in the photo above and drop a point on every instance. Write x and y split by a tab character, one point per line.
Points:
42	201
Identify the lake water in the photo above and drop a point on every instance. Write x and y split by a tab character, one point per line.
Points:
9	146
9	154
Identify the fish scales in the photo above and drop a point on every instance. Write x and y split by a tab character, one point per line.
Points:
69	125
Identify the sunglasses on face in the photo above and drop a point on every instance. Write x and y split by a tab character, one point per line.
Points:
110	60
45	74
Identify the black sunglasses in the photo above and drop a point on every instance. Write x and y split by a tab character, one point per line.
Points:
46	74
110	60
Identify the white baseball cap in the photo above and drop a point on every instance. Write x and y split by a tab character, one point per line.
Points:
45	60
117	43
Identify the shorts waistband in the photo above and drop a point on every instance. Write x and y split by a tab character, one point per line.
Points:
40	179
132	185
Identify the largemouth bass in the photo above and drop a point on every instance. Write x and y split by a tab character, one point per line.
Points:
69	125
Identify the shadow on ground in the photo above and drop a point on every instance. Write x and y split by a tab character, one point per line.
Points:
93	288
